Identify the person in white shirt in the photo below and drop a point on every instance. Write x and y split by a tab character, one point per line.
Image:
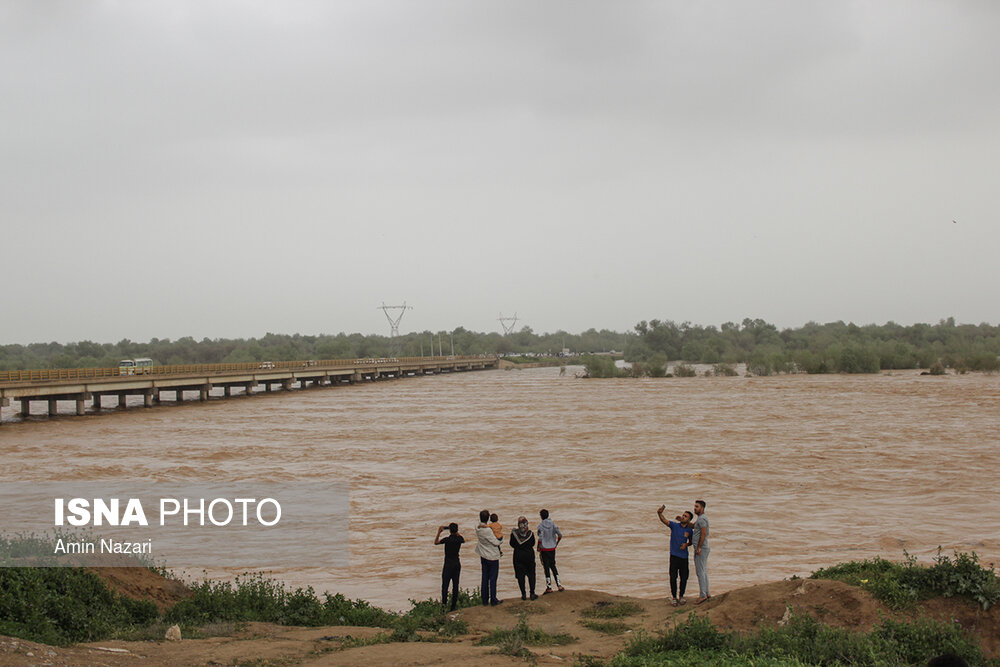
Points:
488	549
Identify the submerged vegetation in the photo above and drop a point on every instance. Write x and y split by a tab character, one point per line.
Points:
834	347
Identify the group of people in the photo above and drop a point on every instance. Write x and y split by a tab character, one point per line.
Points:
523	543
688	541
688	535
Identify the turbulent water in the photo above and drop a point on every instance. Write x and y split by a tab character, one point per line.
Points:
798	471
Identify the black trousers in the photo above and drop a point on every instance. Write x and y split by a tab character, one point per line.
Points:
450	574
525	571
549	564
678	566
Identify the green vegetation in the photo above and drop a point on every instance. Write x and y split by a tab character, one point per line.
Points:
607	609
66	605
834	347
723	370
510	642
900	585
802	641
283	347
685	371
601	366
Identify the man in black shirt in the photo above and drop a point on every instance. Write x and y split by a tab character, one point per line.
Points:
452	566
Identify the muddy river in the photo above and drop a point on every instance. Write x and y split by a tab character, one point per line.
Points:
798	471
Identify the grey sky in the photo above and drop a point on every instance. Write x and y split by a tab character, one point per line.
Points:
223	169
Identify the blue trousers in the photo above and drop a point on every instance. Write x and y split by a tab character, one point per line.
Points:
491	570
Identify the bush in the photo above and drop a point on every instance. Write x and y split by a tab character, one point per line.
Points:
656	367
724	370
599	366
900	585
60	605
685	371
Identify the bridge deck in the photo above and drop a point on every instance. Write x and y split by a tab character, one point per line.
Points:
82	384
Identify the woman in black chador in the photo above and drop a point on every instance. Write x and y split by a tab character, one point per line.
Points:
522	541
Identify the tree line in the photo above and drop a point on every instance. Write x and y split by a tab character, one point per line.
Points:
286	347
834	347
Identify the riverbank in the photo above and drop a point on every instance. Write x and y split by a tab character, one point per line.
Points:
581	626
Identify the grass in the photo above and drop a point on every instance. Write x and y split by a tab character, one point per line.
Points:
802	641
901	585
607	627
525	635
60	606
607	609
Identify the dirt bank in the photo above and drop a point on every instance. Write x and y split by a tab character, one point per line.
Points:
742	609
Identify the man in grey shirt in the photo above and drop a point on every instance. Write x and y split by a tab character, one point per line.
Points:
699	540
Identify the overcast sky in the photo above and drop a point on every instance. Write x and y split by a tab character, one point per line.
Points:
225	169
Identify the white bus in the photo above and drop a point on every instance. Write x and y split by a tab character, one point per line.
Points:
135	366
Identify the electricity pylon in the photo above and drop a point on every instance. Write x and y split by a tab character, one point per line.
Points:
394	323
508	328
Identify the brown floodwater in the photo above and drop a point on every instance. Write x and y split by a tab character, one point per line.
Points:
798	471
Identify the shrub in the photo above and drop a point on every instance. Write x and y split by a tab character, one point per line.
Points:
901	584
724	370
656	367
685	371
61	605
599	366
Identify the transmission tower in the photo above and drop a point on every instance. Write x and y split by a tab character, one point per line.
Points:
394	322
508	328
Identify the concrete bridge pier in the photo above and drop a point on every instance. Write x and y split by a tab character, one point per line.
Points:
97	402
80	405
179	396
227	391
52	407
248	389
25	407
203	392
122	402
147	398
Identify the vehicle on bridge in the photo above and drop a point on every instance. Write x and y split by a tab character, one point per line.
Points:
141	366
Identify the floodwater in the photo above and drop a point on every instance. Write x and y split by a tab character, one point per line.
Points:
799	472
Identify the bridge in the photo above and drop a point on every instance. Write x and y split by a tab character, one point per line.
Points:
243	379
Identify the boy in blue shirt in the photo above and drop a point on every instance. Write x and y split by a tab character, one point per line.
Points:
680	540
